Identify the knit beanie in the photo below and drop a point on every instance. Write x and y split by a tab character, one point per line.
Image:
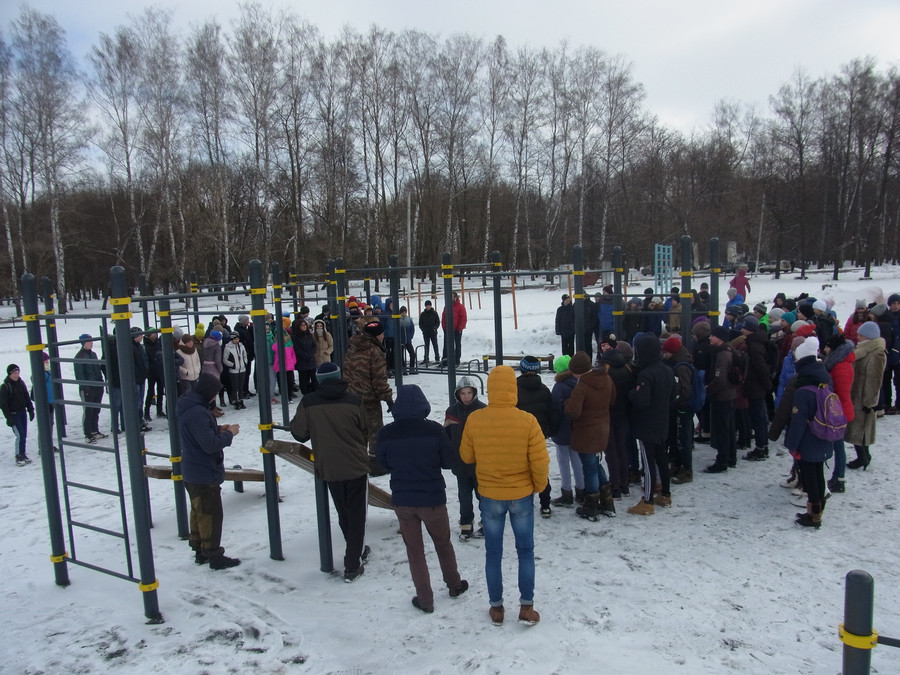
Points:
701	330
789	316
820	305
530	364
760	309
328	371
672	345
806	310
835	341
879	310
11	368
215	335
626	350
806	331
893	297
374	328
775	315
797	325
750	323
810	347
722	333
208	386
580	363
177	333
85	337
561	364
796	342
869	330
861	304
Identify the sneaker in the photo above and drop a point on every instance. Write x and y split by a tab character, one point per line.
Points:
790	482
478	533
146	427
99	436
716	468
662	500
799	500
757	455
545	512
200	559
417	604
352	575
365	554
275	400
249	394
796	492
466	532
686	476
624	491
496	615
27	459
19	461
528	615
459	590
223	562
642	508
90	439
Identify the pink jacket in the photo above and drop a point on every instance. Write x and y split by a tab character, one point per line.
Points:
290	357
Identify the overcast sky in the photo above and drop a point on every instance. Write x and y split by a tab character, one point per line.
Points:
687	53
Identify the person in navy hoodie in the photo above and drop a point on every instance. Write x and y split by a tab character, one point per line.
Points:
810	450
414	449
203	444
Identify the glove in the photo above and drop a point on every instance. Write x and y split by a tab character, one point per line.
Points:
390	405
30	416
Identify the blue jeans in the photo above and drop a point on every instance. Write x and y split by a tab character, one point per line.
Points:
840	459
493	520
20	429
594	473
759	421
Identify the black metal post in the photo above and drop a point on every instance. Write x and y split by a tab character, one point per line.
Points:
279	342
292	282
498	308
449	344
687	295
195	288
578	291
134	445
367	286
394	318
48	461
339	283
59	411
171	387
142	289
714	272
859	602
619	293
270	475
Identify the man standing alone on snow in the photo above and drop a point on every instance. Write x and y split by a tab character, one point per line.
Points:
508	449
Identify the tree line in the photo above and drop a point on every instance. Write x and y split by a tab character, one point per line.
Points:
169	152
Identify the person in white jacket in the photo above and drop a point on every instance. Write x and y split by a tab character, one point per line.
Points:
234	358
189	371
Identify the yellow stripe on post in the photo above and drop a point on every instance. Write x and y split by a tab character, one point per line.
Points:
858	641
35	348
258	291
119	316
258	312
119	301
59	558
265	427
146	588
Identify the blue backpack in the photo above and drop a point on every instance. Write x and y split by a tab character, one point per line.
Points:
698	388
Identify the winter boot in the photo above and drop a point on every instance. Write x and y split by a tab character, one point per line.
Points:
222	562
663	500
566	499
528	615
812	517
465	532
862	458
757	455
607	502
686	476
579	496
642	508
496	615
590	510
837	485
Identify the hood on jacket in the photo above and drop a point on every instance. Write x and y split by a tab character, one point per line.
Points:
811	370
529	381
466	381
646	350
319	322
501	387
411	403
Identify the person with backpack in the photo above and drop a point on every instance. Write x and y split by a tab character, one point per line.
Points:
757	385
811	450
689	397
721	391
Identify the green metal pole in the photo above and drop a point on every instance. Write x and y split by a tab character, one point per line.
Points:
498	308
171	385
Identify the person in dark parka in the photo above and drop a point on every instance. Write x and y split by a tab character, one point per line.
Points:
414	449
650	402
565	325
535	397
203	444
467	402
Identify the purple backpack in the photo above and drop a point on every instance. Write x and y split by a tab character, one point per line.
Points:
829	422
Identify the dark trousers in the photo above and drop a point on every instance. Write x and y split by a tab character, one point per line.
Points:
467	487
91	419
247	376
742	427
437	524
681	438
891	378
721	428
759	421
237	383
589	343
206	518
350	499
568	344
616	454
813	476
431	342
457	345
307	381
155	394
544	496
654	454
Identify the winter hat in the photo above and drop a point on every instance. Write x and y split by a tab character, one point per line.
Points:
790	304
351	305
672	345
789	317
805	310
893	297
656	300
806	331
208	386
809	347
215	335
580	363
835	341
722	333
861	304
374	328
561	364
328	371
46	356
626	350
879	310
428	303
85	337
731	292
608	289
750	323
187	337
304	310
820	305
796	342
797	325
234	336
177	333
732	310
775	314
760	309
869	330
701	330
530	364
565	296
11	368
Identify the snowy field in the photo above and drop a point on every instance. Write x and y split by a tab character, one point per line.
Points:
724	581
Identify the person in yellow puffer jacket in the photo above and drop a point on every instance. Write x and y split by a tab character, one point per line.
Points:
511	461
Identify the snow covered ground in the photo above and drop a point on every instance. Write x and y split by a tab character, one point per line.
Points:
723	581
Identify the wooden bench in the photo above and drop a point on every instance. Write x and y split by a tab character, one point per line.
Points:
235	474
302	456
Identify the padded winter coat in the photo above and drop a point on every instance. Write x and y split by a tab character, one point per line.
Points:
365	369
799	439
211	357
868	370
454	422
234	358
652	395
505	443
189	371
202	442
534	397
839	365
324	343
563	387
758	382
459	316
588	410
414	449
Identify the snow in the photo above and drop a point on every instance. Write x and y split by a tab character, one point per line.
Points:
722	581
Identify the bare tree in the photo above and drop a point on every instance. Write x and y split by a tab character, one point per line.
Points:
494	104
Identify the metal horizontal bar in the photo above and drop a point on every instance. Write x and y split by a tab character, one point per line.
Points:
93	488
100	530
97	568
